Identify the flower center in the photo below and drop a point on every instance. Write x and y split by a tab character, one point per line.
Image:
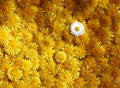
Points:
77	28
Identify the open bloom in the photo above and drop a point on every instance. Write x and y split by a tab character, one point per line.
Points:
77	29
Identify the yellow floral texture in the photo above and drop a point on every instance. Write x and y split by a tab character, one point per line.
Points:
38	50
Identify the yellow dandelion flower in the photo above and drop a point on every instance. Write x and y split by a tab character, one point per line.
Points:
35	2
29	12
35	64
94	24
34	82
115	74
32	45
7	6
49	53
49	41
60	84
72	65
116	51
98	50
32	27
115	61
38	38
60	57
43	63
103	4
67	37
106	82
117	38
1	53
59	44
13	21
5	35
112	11
105	35
82	40
69	50
102	61
48	81
93	81
32	54
27	36
13	47
26	65
5	63
42	48
5	84
2	74
65	76
80	52
105	21
115	2
14	73
16	61
16	34
89	62
22	84
51	67
70	4
79	82
92	4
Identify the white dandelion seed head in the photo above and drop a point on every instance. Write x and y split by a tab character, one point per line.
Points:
73	28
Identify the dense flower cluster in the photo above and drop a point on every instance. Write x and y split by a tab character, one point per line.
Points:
37	49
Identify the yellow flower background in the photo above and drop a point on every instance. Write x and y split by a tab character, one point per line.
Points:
37	49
